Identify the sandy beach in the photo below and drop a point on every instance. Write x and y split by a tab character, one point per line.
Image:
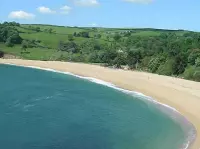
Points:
181	94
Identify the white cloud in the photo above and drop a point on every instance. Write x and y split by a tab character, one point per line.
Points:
86	2
139	1
65	9
21	15
45	10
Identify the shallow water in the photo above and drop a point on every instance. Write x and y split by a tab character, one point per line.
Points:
48	110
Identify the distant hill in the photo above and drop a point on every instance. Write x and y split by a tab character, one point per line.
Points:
166	52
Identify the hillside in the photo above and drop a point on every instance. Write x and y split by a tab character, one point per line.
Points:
166	52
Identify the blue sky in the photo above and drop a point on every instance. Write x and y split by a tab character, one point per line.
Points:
170	14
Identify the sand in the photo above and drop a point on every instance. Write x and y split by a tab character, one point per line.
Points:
181	94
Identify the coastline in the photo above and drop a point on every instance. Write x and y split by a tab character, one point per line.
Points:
181	94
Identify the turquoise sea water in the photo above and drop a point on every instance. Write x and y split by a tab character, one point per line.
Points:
47	110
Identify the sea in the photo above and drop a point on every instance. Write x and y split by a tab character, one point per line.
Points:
45	109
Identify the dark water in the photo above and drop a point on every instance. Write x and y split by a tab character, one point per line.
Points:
47	110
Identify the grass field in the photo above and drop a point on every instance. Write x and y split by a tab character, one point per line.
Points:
32	53
58	29
50	41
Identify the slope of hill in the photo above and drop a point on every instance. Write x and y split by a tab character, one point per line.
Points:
166	52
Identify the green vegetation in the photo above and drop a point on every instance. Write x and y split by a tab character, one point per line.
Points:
165	52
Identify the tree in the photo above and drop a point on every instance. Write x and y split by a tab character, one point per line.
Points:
97	46
189	72
163	36
108	56
13	24
9	43
119	60
68	46
193	56
4	33
197	62
117	37
50	30
75	34
166	68
98	36
179	64
145	61
133	58
9	35
85	34
196	76
1	54
24	46
154	64
37	29
70	37
15	38
127	34
94	29
174	48
93	57
108	38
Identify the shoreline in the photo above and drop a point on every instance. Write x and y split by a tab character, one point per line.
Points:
187	127
127	88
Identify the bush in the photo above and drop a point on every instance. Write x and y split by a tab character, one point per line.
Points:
1	54
70	37
197	62
77	58
63	57
192	73
196	76
145	61
68	47
9	43
133	58
180	64
154	63
189	72
93	58
193	56
166	68
119	60
15	39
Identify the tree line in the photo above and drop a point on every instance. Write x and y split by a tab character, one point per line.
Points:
166	54
172	53
9	35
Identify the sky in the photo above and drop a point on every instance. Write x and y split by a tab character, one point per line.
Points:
168	14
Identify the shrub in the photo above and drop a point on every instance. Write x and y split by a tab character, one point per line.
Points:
196	76
166	68
189	72
155	62
9	43
145	61
1	54
197	62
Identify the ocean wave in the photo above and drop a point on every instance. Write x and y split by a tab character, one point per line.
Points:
27	107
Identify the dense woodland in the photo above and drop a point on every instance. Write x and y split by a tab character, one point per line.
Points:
172	53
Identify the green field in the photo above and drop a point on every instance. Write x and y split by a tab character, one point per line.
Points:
32	53
165	52
60	33
58	29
